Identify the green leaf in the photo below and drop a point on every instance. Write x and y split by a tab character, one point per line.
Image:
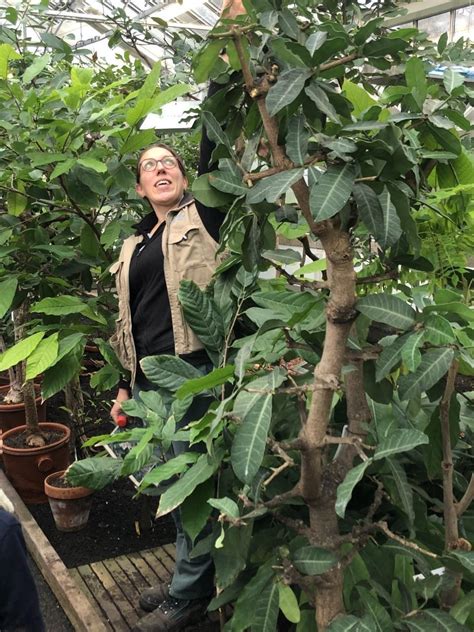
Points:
360	98
388	309
214	130
165	471
38	65
20	351
203	469
137	141
62	167
282	256
273	187
415	75
431	620
321	100
227	183
95	472
59	306
466	558
383	46
217	377
345	489
202	316
434	364
44	356
205	60
411	355
447	139
56	377
266	610
226	506
369	208
331	192
403	488
92	163
401	441
168	371
312	560
315	41
231	553
255	412
349	623
452	80
208	195
288	87
288	603
16	201
464	608
140	454
7	53
297	139
438	330
461	309
391	228
195	511
151	82
7	294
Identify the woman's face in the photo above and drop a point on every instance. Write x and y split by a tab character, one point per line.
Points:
162	186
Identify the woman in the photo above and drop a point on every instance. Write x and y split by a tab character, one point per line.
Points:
177	240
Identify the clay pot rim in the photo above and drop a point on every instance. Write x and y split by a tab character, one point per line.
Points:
6	408
44	425
64	493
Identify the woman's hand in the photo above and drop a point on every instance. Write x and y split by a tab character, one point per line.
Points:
232	8
116	409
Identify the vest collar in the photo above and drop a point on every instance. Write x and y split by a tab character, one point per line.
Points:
145	225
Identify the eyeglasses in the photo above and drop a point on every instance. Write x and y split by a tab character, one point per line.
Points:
150	164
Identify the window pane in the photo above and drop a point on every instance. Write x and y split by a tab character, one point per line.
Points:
464	23
435	25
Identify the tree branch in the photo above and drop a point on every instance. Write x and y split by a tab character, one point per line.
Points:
383	526
376	278
467	499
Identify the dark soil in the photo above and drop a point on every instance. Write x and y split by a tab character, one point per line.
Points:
117	525
19	440
60	482
118	522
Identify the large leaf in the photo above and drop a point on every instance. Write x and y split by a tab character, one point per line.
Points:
217	377
434	364
431	620
64	305
168	371
38	65
452	80
266	610
331	192
165	471
227	183
369	208
297	139
95	472
411	354
321	100
230	555
203	318
214	130
388	309
288	603
61	373
44	356
7	294
389	357
466	558
20	351
401	441
312	560
349	623
403	488
203	469
273	187
391	228
345	489
195	511
286	90
438	330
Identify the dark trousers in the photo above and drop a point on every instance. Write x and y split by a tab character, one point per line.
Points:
193	578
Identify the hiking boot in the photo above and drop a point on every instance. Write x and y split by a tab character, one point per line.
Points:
150	598
172	615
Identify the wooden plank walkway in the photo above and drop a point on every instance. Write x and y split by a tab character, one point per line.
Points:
113	587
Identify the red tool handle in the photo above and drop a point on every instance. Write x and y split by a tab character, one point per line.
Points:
122	420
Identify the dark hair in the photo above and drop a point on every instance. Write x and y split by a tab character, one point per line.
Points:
181	166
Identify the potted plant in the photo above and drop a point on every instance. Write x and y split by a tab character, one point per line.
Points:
70	504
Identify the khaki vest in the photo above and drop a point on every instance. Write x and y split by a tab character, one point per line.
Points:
189	253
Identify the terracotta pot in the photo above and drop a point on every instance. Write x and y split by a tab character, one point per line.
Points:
13	415
28	467
70	505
